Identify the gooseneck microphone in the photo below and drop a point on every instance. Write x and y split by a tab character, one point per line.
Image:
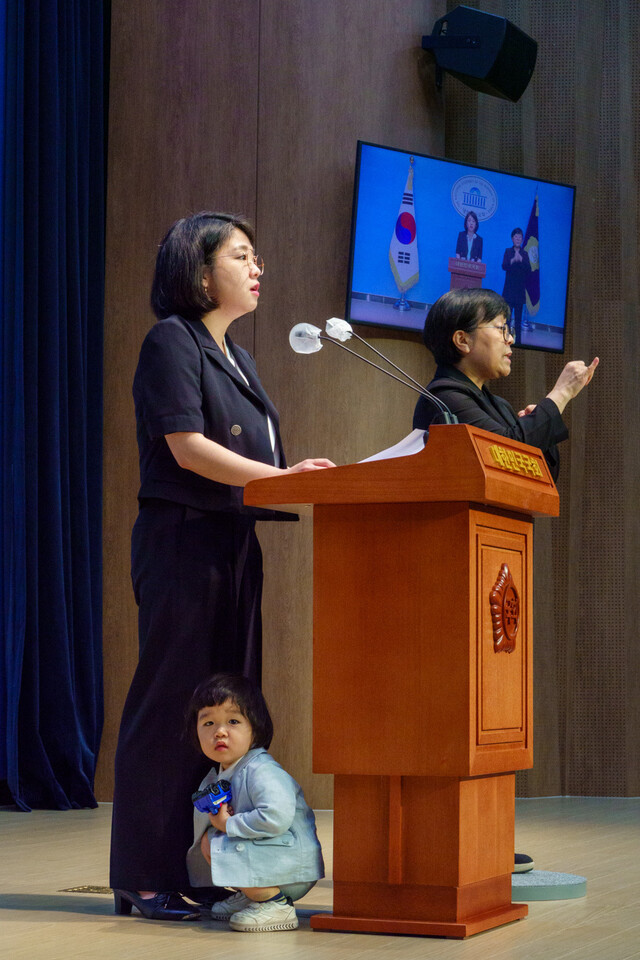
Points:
305	338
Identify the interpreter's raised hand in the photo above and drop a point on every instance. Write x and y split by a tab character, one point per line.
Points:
527	410
313	463
575	376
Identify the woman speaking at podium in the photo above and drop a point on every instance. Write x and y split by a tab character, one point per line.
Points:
469	335
469	243
206	427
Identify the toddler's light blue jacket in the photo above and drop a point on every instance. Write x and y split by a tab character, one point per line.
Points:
271	838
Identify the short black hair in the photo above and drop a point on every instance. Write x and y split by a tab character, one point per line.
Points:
189	245
247	697
517	230
470	213
464	310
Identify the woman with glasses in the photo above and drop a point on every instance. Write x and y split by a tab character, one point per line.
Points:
468	333
205	428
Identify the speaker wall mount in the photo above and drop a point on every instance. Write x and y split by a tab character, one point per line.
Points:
485	52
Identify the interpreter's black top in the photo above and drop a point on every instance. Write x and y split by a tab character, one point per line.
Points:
544	428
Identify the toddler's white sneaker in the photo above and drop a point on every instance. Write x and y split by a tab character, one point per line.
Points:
263	917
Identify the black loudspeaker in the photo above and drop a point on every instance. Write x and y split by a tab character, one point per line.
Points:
485	52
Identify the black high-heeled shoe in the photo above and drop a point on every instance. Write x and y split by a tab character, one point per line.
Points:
162	906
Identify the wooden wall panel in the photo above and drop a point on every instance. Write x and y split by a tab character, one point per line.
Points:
178	97
578	123
255	106
330	73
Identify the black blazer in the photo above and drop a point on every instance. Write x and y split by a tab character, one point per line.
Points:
543	428
462	246
184	382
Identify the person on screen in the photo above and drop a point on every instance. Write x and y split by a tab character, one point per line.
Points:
469	245
469	334
516	265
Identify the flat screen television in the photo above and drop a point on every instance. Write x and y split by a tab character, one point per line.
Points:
410	242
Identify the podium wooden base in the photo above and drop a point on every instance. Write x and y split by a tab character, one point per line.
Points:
429	856
420	928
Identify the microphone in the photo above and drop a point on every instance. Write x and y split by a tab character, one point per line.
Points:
339	329
305	338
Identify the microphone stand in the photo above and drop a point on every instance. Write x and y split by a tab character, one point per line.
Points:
444	410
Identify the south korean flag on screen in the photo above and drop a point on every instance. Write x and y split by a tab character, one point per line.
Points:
403	249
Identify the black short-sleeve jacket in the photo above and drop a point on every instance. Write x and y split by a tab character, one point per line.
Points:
184	382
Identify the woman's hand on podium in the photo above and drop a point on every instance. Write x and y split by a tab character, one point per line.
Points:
313	463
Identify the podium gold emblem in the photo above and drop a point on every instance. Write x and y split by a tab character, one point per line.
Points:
505	612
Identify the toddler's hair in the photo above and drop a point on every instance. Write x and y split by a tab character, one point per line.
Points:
246	696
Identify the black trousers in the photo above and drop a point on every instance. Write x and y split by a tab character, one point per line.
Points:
197	579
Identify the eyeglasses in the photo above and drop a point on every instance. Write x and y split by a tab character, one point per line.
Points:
251	260
506	330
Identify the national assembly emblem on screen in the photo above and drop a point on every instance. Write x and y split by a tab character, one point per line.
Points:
474	194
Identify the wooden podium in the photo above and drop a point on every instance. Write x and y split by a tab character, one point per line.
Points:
466	273
422	677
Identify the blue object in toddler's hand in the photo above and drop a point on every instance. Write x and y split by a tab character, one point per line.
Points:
210	798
